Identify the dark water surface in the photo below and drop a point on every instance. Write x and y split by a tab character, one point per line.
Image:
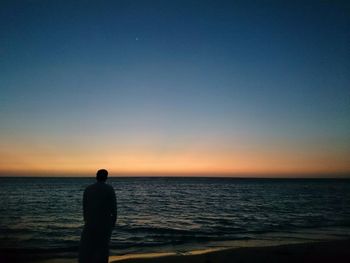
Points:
46	213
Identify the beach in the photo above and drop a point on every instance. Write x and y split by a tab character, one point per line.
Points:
327	251
322	251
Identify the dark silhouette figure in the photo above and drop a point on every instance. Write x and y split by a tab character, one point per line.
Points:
100	214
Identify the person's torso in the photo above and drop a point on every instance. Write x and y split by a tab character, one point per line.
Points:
99	203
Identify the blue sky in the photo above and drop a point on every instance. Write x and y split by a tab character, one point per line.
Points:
232	87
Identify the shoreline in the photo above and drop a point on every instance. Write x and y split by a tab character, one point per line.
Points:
271	239
317	251
308	251
266	245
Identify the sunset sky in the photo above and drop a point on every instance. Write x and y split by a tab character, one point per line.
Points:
175	87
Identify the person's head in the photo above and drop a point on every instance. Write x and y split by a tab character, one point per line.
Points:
101	175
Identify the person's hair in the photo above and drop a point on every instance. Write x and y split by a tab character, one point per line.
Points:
101	175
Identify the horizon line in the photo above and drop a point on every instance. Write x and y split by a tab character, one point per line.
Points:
290	175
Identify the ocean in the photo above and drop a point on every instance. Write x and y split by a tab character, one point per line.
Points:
43	216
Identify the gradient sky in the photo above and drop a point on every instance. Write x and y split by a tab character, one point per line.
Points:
177	87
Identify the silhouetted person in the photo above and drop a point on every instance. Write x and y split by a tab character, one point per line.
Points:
100	214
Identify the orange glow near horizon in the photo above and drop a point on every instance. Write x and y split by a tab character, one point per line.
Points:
190	161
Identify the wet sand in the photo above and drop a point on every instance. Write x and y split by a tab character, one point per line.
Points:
320	252
327	251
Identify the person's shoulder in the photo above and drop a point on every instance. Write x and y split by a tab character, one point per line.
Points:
89	187
99	186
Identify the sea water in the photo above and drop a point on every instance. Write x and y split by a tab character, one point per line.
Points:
45	214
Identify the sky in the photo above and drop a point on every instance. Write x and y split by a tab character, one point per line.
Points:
175	87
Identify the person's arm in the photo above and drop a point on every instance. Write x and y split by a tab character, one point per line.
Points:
85	206
114	208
